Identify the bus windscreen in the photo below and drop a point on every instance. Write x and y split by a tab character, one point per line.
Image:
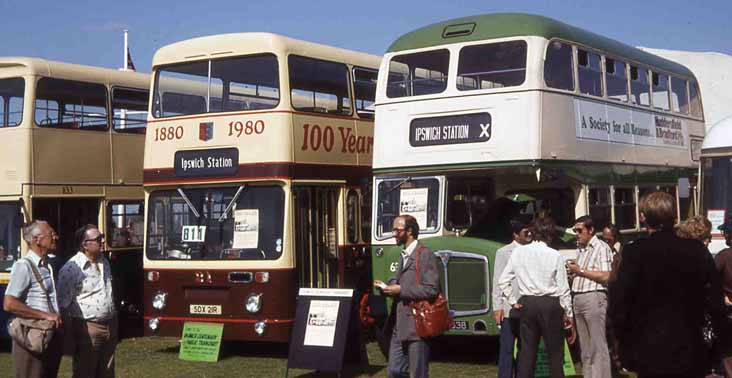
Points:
216	223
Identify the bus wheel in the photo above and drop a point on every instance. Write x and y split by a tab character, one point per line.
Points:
365	314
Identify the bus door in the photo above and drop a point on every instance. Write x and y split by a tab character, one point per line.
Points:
66	215
316	239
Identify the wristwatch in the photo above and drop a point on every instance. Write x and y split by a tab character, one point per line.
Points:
582	273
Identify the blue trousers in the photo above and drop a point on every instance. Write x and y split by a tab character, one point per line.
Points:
509	333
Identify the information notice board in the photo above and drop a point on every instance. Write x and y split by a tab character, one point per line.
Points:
319	336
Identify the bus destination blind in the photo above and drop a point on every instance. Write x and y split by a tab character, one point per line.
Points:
214	162
456	129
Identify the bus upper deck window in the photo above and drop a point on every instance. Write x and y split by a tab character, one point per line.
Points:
11	101
679	95
493	65
660	91
364	91
221	85
558	71
616	79
70	104
639	86
589	73
129	110
319	86
694	100
418	73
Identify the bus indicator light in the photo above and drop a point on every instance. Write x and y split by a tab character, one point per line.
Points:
261	277
153	276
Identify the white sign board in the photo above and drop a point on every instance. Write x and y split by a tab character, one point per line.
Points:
716	217
321	325
414	202
246	228
616	124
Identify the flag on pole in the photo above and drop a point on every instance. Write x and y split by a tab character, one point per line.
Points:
130	65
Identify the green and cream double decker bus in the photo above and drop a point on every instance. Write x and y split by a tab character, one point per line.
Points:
485	118
73	138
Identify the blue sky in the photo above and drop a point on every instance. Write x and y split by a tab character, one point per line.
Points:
90	32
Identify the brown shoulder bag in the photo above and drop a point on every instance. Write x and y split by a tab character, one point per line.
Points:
432	318
33	335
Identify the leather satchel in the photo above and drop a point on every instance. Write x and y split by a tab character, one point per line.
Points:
33	335
432	318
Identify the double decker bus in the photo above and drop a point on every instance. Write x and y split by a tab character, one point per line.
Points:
716	177
257	178
72	154
486	118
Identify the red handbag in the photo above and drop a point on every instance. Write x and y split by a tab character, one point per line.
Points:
431	318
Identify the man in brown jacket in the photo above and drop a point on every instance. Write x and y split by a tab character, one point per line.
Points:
408	353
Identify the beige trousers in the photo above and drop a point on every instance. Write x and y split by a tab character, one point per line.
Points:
94	345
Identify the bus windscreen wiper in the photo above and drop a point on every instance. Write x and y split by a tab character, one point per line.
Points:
231	203
188	202
397	186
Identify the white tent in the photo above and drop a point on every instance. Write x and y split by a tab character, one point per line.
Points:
714	72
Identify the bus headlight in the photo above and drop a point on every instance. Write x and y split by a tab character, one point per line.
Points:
254	303
154	323
158	301
259	328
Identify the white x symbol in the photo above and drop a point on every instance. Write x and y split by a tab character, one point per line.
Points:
484	130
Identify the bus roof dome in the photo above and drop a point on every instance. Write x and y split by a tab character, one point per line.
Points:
719	135
503	25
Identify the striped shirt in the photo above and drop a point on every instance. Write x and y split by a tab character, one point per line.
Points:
596	256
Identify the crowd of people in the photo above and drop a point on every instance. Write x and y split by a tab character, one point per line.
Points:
77	301
658	306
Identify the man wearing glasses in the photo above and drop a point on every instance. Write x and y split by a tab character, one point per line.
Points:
589	289
86	301
408	353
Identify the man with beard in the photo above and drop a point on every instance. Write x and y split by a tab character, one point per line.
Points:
409	353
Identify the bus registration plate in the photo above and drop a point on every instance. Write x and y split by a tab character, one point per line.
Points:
460	325
205	309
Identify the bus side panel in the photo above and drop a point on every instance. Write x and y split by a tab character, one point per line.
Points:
55	161
127	155
15	154
278	303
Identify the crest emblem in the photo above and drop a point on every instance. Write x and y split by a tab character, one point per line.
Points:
205	131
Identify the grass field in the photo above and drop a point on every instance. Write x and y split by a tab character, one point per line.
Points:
158	357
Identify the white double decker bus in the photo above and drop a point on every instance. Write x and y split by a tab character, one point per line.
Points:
485	118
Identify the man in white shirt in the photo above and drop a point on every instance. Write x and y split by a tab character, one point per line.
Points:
507	318
544	298
28	297
589	287
87	303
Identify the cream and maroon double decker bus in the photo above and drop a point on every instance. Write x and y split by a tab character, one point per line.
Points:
490	117
257	174
73	138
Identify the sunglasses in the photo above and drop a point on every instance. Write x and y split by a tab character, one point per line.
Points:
99	239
